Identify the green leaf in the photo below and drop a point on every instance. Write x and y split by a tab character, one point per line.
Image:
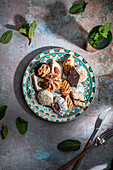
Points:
69	145
108	26
2	111
94	45
91	41
31	30
92	35
31	34
6	37
26	25
96	36
104	34
100	38
105	28
22	125
23	31
77	8
4	131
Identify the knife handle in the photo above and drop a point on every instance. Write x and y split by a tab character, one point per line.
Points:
79	161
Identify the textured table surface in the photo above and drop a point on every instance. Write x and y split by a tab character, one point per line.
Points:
37	149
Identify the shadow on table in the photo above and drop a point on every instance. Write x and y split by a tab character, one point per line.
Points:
60	22
19	75
19	20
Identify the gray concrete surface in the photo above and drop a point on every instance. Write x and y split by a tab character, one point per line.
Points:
37	149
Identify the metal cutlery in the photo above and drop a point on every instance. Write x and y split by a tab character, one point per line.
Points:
98	123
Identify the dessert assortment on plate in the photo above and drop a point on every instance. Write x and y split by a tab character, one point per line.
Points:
60	86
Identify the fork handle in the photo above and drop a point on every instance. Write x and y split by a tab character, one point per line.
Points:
73	160
79	161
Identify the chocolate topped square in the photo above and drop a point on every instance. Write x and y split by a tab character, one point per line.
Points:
73	77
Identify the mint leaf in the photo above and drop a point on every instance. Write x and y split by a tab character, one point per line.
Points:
28	30
77	8
94	45
26	25
31	34
69	145
96	36
91	41
104	34
100	38
105	28
92	35
23	31
6	37
22	125
31	30
4	131
2	111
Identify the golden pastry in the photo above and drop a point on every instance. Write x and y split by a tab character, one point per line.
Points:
68	64
65	88
78	99
52	82
78	103
43	70
69	102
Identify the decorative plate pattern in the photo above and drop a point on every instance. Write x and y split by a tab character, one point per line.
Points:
46	112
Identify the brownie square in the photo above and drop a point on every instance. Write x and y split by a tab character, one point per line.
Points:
73	77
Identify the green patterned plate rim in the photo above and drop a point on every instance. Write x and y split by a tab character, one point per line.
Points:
47	113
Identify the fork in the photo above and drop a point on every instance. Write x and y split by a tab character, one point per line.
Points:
98	141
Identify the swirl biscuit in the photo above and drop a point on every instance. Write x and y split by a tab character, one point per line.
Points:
65	88
52	82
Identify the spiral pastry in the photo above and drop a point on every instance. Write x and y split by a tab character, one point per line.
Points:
52	82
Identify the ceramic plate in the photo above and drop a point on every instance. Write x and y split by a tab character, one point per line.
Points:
46	112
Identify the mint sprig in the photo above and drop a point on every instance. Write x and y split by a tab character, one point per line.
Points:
99	35
28	29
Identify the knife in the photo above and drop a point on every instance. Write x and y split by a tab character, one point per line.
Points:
98	123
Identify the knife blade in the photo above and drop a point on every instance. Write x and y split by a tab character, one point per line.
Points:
99	121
